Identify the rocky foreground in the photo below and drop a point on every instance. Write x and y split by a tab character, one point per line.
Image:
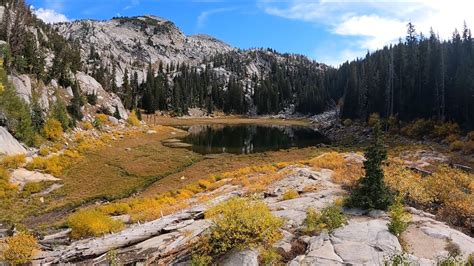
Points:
364	240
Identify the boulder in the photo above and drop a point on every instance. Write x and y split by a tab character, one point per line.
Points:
113	120
22	85
9	145
22	176
235	257
364	242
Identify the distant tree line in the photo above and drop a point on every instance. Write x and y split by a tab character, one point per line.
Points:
420	77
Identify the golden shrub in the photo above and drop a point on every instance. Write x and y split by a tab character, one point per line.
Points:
457	145
347	122
52	165
102	118
5	186
14	161
468	147
239	223
374	118
470	135
393	123
44	151
118	208
451	138
330	160
290	194
346	172
418	129
133	119
87	125
52	129
442	130
329	219
89	223
20	248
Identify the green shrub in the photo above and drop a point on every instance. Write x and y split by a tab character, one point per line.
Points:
16	111
238	223
329	219
399	218
89	223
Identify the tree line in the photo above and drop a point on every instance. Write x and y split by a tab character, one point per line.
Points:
420	77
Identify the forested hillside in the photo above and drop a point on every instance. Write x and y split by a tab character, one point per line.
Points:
224	82
420	77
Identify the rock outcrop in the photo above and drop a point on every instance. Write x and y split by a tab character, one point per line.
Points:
9	145
105	99
22	84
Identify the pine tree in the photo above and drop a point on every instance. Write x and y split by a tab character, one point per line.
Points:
371	192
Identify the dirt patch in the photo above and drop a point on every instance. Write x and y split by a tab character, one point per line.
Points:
422	245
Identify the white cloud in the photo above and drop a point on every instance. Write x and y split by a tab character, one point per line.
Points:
201	19
49	15
376	23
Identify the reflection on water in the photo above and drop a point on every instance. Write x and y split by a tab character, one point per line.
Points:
244	139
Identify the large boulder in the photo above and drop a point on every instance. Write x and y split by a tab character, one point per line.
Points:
108	100
8	144
236	257
364	242
22	84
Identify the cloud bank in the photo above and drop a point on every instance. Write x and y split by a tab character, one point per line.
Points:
374	24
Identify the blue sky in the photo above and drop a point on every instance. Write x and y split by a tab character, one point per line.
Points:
325	30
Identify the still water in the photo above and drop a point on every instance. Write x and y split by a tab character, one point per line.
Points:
245	139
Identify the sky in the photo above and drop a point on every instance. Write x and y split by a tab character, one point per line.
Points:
327	31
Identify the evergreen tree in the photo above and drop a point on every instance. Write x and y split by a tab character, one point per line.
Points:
371	191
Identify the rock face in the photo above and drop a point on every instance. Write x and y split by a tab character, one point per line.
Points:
132	43
22	84
108	100
9	145
139	39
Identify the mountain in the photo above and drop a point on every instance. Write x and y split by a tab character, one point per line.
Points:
215	70
134	42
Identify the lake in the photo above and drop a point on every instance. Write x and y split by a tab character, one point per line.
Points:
246	139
